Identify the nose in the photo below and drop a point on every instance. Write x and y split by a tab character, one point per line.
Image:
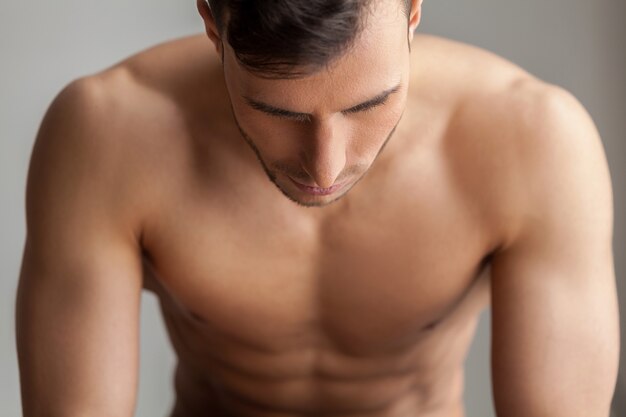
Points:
326	154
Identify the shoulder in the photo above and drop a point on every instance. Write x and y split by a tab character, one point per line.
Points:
80	124
181	73
465	67
512	141
84	154
488	88
535	149
558	161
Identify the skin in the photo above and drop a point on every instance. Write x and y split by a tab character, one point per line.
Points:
329	147
474	185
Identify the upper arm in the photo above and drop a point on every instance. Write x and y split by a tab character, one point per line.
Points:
555	333
77	305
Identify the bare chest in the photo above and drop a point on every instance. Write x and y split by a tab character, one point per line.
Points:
369	280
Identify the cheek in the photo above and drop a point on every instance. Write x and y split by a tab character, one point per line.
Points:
371	131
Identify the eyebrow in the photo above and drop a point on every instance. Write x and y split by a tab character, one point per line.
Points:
276	111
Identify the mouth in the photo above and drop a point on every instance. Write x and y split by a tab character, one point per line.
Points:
316	190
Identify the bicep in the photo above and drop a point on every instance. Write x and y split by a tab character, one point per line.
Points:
554	336
77	305
555	333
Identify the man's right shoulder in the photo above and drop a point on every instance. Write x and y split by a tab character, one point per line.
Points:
82	120
93	102
83	154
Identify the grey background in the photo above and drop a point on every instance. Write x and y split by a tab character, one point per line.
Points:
577	44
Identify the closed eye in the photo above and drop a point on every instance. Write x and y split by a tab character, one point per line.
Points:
366	106
280	113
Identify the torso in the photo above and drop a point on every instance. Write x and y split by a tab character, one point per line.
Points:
364	308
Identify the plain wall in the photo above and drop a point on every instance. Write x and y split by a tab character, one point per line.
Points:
577	44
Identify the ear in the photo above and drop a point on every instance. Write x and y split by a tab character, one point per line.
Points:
414	17
210	25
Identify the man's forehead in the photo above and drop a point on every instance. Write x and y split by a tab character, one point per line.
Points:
289	95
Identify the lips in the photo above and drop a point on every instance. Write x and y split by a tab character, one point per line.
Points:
316	190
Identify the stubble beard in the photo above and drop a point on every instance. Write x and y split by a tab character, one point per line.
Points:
272	177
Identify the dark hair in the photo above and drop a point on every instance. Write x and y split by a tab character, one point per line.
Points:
290	38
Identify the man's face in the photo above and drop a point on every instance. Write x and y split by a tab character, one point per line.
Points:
317	136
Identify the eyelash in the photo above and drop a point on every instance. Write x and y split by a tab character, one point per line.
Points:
305	119
368	108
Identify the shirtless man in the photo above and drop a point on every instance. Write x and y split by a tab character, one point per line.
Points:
321	237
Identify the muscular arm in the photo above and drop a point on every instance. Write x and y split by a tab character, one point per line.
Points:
77	306
555	345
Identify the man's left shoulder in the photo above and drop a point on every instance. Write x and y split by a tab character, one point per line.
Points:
551	128
528	143
539	105
555	154
538	122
